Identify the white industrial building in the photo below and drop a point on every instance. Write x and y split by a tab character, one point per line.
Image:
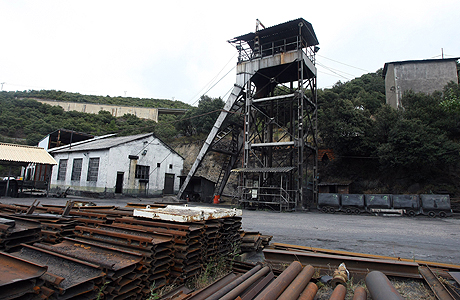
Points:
130	165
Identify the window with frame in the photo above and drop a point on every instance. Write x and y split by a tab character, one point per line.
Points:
142	172
76	169
62	169
93	169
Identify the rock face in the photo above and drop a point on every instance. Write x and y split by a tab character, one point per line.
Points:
210	167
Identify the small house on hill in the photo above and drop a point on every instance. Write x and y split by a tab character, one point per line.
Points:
131	165
424	76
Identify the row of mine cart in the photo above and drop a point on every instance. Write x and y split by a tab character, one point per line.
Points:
105	252
431	205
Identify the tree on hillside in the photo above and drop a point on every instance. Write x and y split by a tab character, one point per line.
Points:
199	120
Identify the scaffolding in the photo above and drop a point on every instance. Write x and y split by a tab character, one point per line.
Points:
276	95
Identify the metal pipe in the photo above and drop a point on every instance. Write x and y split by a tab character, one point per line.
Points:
206	292
272	291
309	292
298	285
339	293
234	283
245	284
360	293
380	287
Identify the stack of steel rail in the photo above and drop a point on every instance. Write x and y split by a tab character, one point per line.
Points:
188	242
155	248
16	230
173	247
54	227
216	233
254	241
20	279
66	277
123	269
230	237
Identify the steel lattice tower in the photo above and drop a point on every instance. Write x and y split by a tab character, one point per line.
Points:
275	92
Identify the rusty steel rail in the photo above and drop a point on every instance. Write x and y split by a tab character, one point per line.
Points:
79	276
108	259
289	247
17	231
438	288
357	265
19	277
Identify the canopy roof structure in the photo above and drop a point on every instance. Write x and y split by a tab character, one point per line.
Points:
282	31
23	155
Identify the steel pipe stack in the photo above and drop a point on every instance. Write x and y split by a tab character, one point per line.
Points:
274	289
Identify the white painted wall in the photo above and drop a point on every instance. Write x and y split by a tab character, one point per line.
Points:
116	160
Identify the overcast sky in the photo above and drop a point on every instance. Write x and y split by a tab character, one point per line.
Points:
179	49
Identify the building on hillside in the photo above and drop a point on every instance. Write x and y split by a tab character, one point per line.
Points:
148	113
130	165
424	76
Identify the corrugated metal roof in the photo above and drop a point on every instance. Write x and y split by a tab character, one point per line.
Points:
262	170
280	32
106	142
100	144
25	154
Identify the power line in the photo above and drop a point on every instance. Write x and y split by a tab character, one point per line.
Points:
215	84
332	71
210	82
344	64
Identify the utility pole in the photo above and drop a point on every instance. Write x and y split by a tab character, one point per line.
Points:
2	85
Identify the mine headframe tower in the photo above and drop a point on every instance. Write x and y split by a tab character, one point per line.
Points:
275	93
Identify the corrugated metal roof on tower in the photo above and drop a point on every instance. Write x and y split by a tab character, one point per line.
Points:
25	154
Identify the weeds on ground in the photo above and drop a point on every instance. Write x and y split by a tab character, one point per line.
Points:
158	293
213	270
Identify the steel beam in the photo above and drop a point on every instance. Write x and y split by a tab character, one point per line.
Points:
354	264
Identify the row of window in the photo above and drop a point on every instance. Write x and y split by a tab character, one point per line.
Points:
93	169
142	172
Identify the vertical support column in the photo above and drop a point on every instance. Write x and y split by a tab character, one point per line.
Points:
315	138
300	116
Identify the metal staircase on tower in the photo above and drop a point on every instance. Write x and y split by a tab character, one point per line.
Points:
271	116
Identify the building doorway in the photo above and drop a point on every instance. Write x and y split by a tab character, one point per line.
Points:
169	184
119	184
